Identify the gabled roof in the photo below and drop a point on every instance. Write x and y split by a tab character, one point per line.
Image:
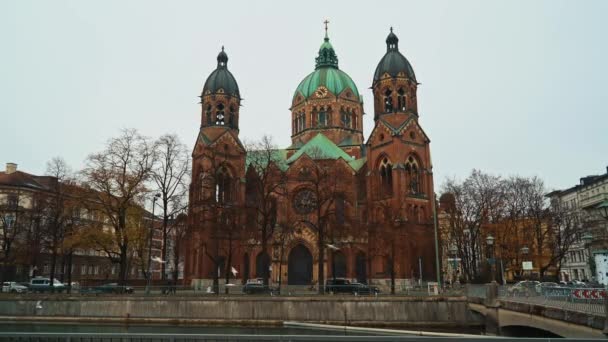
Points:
320	147
24	180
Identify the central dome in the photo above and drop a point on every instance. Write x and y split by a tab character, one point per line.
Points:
326	74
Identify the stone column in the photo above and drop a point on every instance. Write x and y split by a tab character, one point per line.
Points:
492	306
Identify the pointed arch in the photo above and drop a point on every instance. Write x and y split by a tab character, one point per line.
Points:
224	185
388	100
413	174
401	100
385	168
219	114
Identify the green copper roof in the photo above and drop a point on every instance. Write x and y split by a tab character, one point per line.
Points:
326	74
320	147
357	164
279	157
335	80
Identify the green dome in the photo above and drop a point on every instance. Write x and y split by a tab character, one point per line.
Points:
221	78
393	61
335	80
326	74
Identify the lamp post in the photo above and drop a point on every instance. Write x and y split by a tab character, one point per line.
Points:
490	243
524	251
454	254
150	234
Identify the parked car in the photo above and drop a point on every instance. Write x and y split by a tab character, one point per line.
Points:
40	284
13	287
524	288
340	285
258	288
107	288
546	287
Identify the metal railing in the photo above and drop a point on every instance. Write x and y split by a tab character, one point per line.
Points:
566	298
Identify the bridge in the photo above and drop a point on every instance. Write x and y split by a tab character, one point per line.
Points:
563	312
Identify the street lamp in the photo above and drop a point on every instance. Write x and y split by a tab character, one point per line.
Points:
454	253
149	280
490	244
525	250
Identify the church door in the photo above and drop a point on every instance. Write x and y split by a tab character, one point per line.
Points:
361	268
299	271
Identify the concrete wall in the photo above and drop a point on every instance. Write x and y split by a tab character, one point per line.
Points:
362	310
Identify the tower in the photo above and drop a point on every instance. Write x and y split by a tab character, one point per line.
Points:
218	165
327	101
399	161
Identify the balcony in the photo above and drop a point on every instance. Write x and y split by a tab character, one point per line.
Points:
592	200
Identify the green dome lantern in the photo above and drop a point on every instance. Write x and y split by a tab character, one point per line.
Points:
327	74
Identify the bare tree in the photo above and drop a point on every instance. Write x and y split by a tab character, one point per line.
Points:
14	218
117	177
475	203
266	182
170	175
323	180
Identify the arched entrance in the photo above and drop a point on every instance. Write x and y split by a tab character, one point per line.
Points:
245	268
339	265
361	267
299	271
262	265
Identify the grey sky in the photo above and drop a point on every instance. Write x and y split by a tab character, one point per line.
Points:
509	87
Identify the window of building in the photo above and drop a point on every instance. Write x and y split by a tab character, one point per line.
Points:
401	99
12	201
219	114
386	177
322	119
223	186
208	115
388	101
413	178
346	119
83	269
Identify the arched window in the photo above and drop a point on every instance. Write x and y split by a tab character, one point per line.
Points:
386	177
223	186
413	175
231	118
401	104
208	114
388	101
322	118
345	118
219	114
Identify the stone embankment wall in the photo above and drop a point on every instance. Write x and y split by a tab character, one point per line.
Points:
378	311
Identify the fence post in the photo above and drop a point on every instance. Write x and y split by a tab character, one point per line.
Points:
492	306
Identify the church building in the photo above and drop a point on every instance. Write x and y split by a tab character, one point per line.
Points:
333	204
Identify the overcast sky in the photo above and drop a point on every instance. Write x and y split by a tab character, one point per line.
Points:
508	87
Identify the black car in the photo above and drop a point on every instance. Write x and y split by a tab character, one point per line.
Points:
258	288
339	285
108	288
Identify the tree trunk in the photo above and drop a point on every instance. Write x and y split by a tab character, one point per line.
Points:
69	270
164	248
321	275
